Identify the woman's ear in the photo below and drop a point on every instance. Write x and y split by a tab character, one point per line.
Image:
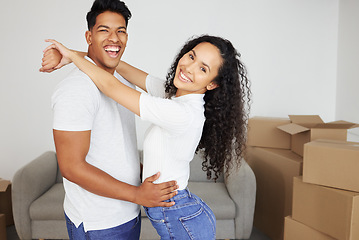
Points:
212	86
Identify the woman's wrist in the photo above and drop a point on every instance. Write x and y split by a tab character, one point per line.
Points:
72	56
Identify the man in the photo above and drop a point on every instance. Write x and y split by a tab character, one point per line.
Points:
96	142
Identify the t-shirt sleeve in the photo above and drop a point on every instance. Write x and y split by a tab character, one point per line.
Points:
155	86
74	103
171	115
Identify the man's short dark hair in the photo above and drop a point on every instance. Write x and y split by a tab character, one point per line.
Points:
100	6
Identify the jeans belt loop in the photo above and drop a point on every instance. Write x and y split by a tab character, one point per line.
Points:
189	193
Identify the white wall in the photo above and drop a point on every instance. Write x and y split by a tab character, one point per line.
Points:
288	46
348	70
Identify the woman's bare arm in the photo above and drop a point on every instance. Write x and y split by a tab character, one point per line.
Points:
106	82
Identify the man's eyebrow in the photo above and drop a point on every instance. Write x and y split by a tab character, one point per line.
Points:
102	26
194	53
105	26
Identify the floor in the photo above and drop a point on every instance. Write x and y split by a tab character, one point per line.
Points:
256	234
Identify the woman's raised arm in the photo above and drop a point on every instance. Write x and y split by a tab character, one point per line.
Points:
53	60
106	82
132	74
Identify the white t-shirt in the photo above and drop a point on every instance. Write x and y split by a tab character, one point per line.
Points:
173	137
79	106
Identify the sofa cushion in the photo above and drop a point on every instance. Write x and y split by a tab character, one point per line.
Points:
217	198
50	205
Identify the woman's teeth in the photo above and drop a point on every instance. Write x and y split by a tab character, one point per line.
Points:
184	77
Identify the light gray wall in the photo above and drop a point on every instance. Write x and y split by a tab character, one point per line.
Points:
288	46
348	68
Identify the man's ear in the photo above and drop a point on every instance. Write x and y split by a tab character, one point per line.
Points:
88	36
212	86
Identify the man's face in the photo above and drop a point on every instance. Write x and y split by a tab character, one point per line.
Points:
107	40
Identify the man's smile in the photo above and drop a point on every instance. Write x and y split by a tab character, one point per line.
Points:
112	50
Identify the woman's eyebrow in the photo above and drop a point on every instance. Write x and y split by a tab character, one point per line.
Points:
205	64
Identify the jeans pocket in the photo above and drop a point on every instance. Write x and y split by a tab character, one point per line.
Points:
199	225
138	221
155	214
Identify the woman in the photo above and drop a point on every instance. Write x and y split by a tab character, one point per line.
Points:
201	107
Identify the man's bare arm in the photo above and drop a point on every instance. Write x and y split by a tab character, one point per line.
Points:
72	148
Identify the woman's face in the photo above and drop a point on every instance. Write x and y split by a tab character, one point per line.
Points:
197	69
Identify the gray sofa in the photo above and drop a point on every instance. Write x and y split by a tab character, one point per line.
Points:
38	194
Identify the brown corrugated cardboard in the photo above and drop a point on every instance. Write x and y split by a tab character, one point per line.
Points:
5	201
2	227
332	163
263	132
331	211
306	128
274	170
294	230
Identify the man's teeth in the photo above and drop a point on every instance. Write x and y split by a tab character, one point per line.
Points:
184	77
112	49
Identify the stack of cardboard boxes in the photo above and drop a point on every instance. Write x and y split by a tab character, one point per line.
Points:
275	153
326	197
6	216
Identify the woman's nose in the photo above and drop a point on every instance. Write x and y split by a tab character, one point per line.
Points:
190	67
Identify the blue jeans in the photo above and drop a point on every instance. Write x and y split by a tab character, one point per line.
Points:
189	218
127	231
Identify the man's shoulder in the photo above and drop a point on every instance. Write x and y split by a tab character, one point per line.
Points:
76	85
76	77
123	80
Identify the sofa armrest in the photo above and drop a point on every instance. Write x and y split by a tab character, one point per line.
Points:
29	183
241	186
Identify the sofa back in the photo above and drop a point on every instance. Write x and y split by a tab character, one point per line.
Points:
197	174
58	174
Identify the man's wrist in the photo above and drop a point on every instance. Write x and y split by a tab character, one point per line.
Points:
134	194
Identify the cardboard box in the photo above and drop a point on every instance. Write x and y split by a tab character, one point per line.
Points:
331	211
263	132
2	227
5	201
306	128
332	163
274	170
294	230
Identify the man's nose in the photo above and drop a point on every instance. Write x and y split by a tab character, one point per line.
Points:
113	37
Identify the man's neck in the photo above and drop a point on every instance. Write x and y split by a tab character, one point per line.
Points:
110	70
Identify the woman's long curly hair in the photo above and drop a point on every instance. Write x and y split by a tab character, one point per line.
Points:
226	108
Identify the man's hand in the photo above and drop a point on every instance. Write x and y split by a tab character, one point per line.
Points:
52	59
150	194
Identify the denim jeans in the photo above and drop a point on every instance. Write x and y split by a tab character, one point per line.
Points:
189	218
127	231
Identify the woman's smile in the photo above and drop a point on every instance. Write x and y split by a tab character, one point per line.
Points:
183	77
